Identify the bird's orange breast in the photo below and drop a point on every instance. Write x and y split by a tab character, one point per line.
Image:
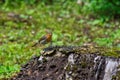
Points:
48	36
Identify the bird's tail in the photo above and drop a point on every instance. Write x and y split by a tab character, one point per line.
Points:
35	45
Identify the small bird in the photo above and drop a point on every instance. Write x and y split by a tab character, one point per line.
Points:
45	39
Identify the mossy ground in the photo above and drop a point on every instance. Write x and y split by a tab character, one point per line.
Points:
67	22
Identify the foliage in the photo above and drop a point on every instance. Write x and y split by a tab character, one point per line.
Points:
103	7
22	25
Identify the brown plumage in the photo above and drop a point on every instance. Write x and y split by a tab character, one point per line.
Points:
45	39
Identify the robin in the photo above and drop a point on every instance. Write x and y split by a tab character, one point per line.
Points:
45	39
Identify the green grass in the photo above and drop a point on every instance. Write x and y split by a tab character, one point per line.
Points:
68	24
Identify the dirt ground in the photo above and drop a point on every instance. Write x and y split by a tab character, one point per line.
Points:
63	63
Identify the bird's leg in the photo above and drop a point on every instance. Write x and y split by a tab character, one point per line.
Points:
50	43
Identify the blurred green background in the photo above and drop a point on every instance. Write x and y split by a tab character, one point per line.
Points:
72	22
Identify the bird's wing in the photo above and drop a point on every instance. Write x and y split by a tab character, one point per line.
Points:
42	40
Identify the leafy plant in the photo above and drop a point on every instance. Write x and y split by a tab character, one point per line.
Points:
103	7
